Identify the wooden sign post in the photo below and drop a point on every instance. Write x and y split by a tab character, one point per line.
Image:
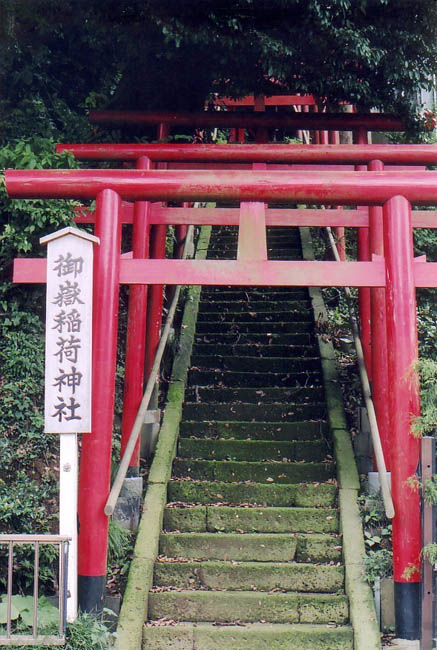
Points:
67	409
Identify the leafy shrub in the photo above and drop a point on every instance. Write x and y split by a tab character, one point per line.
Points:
378	564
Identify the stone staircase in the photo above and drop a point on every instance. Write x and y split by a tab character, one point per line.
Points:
251	551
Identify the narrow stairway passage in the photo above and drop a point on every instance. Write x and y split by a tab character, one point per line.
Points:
251	550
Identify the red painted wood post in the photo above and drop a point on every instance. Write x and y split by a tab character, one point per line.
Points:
156	298
360	137
163	131
136	328
404	404
380	387
95	462
261	133
324	137
334	138
241	136
180	234
316	133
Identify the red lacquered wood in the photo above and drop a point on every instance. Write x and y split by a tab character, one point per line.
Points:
404	403
136	325
95	462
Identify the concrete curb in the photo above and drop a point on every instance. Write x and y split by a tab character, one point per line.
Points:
367	635
135	601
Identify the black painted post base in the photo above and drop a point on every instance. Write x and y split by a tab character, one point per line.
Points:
90	593
408	610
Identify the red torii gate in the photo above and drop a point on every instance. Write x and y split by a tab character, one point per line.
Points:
399	273
283	157
261	122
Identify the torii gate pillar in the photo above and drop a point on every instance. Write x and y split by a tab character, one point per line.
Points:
95	463
404	405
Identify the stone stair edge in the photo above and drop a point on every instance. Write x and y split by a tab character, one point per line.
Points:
135	601
362	608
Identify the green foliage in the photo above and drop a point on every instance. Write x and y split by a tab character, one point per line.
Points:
429	491
378	564
377	537
22	613
87	633
430	553
60	60
427	323
120	546
426	423
23	222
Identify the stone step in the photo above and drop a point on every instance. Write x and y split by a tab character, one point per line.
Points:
252	450
262	576
229	519
255	395
307	430
273	239
230	252
255	290
231	327
258	547
254	350
304	495
267	338
246	307
249	606
260	296
227	470
255	364
256	636
224	378
278	316
239	411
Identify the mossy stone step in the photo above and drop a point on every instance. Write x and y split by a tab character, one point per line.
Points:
307	430
255	364
246	308
229	519
264	576
229	243
259	547
240	411
220	377
268	338
231	253
258	296
255	290
263	494
256	636
248	606
254	350
252	450
262	326
258	316
254	395
227	470
266	305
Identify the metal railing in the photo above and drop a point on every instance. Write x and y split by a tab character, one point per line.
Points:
12	638
144	405
367	394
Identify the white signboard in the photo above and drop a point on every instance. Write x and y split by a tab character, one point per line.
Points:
68	371
68	331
